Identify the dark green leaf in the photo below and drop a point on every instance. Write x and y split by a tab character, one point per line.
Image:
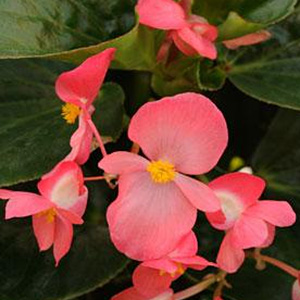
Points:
278	155
27	274
33	135
271	72
41	27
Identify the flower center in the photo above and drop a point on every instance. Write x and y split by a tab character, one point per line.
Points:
161	171
231	206
70	112
49	214
180	270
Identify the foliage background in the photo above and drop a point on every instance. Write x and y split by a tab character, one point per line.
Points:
41	39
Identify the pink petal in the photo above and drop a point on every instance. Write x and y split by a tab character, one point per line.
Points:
149	282
23	204
248	39
79	206
271	236
171	129
186	5
199	43
245	187
81	85
129	294
70	216
81	142
162	14
230	258
249	232
296	290
62	238
199	194
123	162
133	294
165	264
218	220
188	246
278	213
162	216
64	184
43	231
195	262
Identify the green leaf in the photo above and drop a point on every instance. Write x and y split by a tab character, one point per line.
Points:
33	135
27	274
43	27
270	71
277	157
258	11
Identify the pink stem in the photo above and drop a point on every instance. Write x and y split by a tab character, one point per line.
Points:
94	178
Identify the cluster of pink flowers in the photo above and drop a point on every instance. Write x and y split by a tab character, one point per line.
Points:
153	217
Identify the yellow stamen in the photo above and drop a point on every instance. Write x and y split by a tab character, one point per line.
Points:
161	171
180	271
70	112
49	213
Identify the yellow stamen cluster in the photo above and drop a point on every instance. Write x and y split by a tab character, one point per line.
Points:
161	171
70	112
49	213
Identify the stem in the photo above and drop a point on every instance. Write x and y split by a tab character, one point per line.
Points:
279	264
195	289
94	178
95	131
135	148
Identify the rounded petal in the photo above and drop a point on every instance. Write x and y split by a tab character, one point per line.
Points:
199	194
121	162
64	185
162	216
188	246
187	130
162	14
199	43
81	142
149	282
230	258
43	231
165	264
23	204
63	237
271	236
296	290
218	220
129	294
79	206
278	213
244	187
249	232
68	215
81	85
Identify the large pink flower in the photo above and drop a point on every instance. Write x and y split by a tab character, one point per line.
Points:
79	88
247	221
62	203
152	278
191	34
157	206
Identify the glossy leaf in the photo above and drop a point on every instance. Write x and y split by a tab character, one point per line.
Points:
277	157
270	71
33	135
43	27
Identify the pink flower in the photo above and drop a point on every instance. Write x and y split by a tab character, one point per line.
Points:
248	222
157	206
79	88
62	203
152	278
190	33
296	289
133	294
248	39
